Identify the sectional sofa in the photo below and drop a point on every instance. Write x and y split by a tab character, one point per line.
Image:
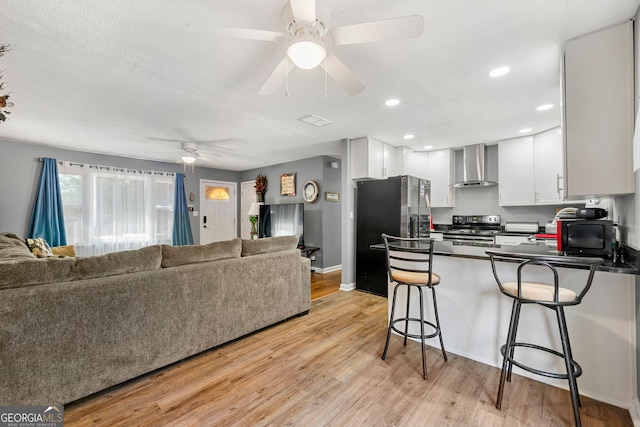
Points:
70	327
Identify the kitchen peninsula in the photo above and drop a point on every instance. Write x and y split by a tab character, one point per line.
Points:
475	316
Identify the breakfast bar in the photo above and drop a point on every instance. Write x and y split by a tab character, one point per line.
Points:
475	316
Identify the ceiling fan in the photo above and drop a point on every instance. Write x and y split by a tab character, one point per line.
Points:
193	149
307	32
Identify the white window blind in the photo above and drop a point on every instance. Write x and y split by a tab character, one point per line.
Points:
108	209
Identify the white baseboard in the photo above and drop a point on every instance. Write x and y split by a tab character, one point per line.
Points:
327	269
347	286
634	411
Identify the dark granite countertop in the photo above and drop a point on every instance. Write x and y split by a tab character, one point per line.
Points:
477	250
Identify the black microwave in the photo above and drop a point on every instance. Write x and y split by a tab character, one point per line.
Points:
585	237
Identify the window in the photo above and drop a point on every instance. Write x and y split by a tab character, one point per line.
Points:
111	209
216	193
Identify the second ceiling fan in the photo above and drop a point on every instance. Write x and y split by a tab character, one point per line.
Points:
308	33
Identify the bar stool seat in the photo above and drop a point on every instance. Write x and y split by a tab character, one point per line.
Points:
536	291
414	278
551	296
409	262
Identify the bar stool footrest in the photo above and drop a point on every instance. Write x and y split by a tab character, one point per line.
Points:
577	369
418	336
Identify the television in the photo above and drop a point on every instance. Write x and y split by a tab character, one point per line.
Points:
282	220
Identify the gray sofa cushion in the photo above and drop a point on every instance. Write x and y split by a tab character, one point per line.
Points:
173	256
269	244
23	272
13	247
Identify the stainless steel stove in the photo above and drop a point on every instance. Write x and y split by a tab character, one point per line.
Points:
473	228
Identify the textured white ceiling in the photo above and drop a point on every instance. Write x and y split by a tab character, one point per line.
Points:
123	77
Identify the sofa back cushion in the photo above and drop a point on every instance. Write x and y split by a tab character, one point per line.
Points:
173	256
35	271
13	247
269	244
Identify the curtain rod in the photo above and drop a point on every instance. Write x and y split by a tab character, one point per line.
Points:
60	162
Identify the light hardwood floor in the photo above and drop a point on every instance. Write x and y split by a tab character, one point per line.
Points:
325	369
325	284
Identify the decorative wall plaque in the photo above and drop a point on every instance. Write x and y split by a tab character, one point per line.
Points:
288	184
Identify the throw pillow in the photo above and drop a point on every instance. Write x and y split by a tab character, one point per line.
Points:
68	250
39	247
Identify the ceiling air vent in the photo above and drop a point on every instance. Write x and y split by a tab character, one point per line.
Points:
315	121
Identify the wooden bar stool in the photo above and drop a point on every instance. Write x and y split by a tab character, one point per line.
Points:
551	296
409	262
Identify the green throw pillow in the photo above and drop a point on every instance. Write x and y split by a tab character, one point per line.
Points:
39	247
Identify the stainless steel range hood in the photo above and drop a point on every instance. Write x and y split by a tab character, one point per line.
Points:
474	167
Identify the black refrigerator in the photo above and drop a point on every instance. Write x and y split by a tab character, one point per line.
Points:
398	206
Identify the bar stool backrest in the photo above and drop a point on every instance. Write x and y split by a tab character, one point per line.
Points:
413	255
551	263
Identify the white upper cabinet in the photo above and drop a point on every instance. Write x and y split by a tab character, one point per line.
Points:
599	112
548	167
438	167
373	159
531	169
404	161
367	158
516	184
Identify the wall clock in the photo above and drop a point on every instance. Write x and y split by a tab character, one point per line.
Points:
310	191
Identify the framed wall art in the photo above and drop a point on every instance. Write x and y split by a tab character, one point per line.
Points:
288	184
331	196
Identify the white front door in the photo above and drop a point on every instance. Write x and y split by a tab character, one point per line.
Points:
248	195
218	214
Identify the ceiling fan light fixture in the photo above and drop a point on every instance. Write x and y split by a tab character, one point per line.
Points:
306	54
188	159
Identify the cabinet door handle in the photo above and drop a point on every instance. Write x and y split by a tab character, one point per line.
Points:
558	178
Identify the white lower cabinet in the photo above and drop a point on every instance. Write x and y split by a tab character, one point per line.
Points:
437	236
438	167
502	239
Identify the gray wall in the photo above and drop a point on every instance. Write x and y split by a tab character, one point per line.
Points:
321	218
20	170
331	212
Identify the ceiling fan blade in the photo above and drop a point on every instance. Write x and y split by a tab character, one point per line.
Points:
303	10
276	78
407	27
240	33
342	75
164	139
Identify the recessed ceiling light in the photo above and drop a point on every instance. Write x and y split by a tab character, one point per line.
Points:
545	107
409	136
428	147
392	102
525	130
500	71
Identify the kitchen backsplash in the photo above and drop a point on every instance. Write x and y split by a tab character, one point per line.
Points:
484	201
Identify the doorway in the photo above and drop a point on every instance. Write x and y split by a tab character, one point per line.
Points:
247	196
218	211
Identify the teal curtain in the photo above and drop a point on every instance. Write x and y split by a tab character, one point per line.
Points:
181	234
47	220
